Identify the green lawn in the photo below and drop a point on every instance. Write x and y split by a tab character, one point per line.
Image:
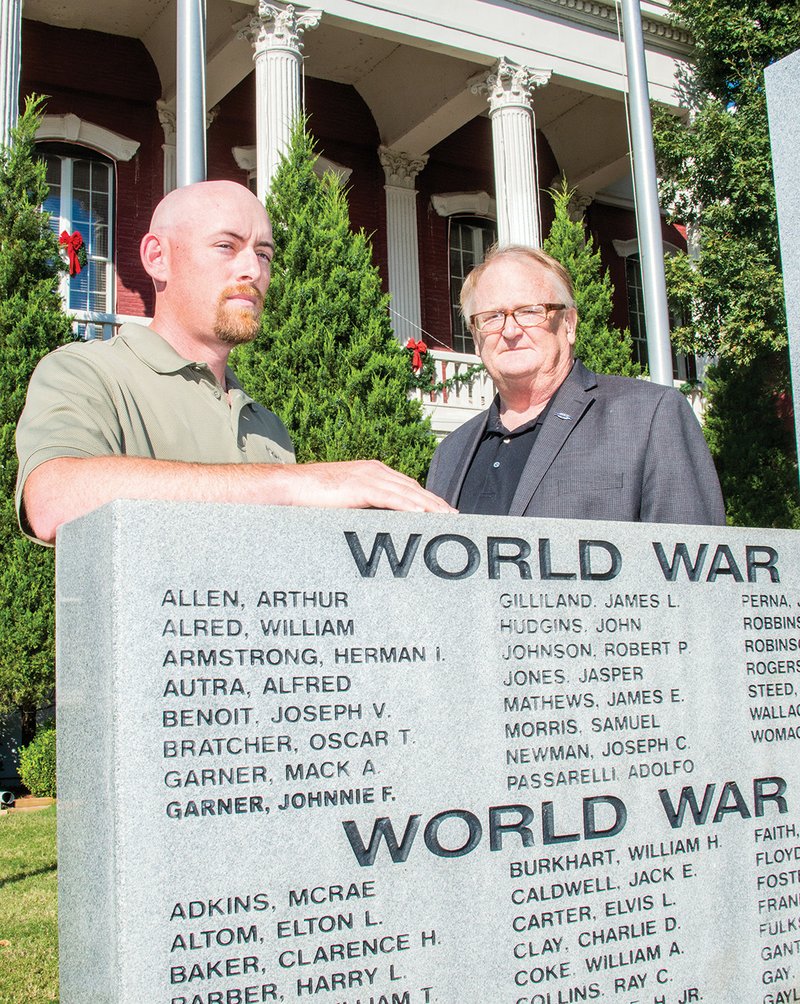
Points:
28	922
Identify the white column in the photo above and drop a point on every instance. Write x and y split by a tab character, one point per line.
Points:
166	117
10	60
401	171
275	35
509	88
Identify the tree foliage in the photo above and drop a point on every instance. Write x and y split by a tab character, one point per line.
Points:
717	178
326	360
599	346
750	441
37	763
32	323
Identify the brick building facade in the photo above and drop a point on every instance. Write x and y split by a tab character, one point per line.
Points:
397	97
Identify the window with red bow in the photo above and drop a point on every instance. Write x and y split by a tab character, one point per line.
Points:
80	204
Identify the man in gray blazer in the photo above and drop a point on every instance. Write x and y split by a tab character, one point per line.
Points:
559	440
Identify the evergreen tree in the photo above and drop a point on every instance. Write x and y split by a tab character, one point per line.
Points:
32	323
599	346
326	360
749	442
717	177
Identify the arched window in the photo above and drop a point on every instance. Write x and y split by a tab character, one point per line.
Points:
683	367
470	239
81	199
633	282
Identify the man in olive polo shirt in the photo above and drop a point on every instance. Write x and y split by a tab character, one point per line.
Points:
157	414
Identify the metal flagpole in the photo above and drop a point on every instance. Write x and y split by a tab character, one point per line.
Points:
648	216
191	92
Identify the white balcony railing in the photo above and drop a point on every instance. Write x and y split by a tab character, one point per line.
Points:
90	324
451	407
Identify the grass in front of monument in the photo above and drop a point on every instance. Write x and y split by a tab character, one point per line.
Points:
28	916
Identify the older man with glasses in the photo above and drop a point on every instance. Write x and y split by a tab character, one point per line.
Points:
559	440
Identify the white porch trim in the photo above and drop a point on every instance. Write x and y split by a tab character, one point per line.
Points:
466	203
71	129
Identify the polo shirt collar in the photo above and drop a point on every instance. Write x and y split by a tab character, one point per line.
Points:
157	354
494	423
151	349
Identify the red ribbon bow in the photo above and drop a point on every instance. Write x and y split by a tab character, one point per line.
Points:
73	243
419	349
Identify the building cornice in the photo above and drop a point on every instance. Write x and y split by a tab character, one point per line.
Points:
658	32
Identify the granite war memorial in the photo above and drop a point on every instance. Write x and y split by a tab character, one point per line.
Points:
371	757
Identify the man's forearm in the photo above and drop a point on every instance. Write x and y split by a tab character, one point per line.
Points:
63	489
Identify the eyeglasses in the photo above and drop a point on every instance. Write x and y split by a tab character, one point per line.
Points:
489	322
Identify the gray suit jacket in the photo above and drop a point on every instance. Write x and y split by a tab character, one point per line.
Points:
610	448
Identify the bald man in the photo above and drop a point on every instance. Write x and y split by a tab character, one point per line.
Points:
155	413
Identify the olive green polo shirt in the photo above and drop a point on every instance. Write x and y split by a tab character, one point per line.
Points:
135	396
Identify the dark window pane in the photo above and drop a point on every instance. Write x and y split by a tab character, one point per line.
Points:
81	175
683	367
470	237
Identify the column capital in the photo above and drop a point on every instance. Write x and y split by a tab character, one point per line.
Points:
509	84
278	26
578	204
401	168
168	120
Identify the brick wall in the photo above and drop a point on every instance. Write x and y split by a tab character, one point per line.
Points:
233	126
112	82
